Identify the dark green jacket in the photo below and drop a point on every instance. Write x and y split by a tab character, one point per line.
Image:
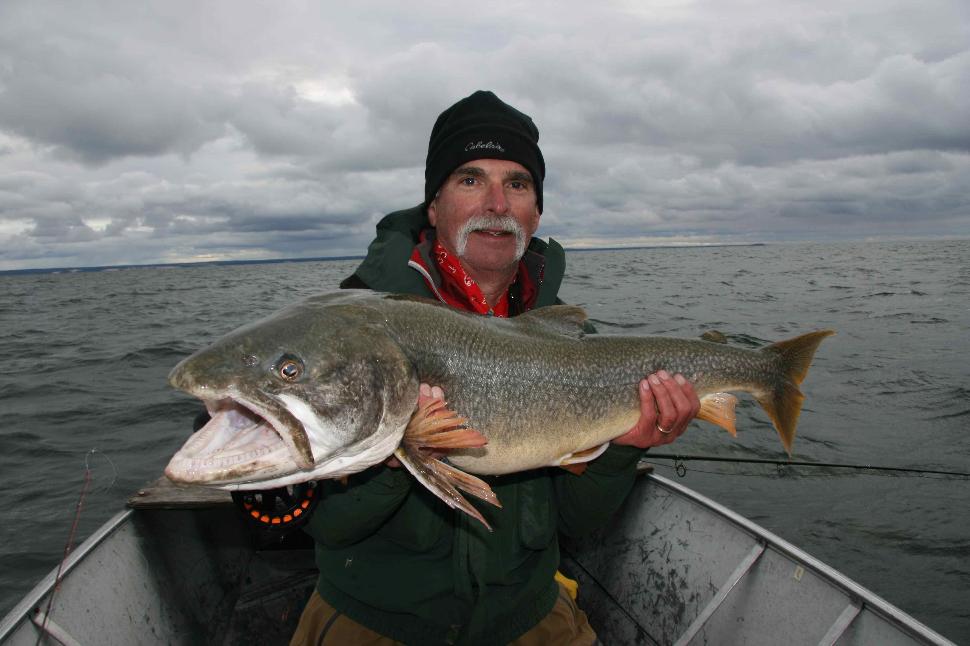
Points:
397	560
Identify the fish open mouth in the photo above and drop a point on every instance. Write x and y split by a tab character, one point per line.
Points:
236	445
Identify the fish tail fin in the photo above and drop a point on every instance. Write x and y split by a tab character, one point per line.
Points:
783	403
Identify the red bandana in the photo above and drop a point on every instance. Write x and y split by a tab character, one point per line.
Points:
459	290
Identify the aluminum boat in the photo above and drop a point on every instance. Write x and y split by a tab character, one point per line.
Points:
182	566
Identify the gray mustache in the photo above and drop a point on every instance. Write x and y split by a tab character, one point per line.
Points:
485	222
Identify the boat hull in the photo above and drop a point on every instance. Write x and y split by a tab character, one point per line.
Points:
672	568
169	576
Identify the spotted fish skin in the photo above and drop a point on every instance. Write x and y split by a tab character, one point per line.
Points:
336	378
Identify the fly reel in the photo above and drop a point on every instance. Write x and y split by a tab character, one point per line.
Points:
284	508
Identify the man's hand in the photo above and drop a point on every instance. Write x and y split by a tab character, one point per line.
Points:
425	393
667	404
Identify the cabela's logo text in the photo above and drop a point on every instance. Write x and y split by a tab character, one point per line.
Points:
484	145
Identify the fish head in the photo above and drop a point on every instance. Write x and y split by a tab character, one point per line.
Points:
308	393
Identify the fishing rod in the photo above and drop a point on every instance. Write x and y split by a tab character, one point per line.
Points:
681	468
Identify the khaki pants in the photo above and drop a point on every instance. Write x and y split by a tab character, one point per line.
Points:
321	625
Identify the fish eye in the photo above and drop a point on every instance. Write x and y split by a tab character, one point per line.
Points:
290	369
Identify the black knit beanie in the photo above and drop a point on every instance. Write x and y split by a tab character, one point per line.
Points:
482	126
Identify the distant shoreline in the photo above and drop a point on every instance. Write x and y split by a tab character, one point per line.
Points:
277	261
673	246
171	265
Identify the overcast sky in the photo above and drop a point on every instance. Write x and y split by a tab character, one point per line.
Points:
139	132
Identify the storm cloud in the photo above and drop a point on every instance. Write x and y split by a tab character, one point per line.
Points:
177	131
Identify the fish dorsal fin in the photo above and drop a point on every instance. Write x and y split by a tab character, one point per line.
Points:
561	319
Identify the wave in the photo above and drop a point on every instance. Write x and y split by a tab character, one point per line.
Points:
152	355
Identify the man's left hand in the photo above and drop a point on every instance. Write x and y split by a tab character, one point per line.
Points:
667	405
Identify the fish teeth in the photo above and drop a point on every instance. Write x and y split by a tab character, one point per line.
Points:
224	461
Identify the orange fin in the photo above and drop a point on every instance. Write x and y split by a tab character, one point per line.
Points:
575	462
444	481
434	426
718	408
784	403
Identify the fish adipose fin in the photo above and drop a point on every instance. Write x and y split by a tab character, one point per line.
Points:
784	403
575	463
435	428
718	408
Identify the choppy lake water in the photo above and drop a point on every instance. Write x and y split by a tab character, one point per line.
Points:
85	356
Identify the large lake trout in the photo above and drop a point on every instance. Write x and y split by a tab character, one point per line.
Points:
329	387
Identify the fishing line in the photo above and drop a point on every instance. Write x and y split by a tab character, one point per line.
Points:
681	467
114	469
69	546
681	470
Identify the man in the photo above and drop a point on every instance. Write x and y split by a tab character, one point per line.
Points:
397	565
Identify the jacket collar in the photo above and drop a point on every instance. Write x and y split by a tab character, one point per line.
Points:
384	267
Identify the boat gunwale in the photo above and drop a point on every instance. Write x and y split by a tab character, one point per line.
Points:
855	591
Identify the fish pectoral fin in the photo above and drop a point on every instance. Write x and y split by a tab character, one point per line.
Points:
718	408
575	462
444	481
434	426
